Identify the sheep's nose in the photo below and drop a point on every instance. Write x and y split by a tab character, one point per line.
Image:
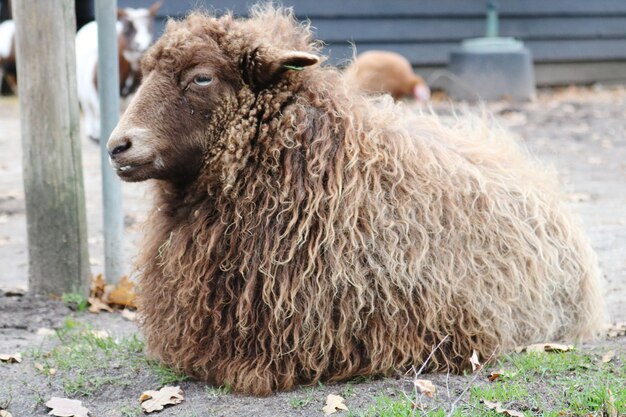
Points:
118	149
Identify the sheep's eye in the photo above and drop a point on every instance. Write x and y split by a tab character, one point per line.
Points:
202	80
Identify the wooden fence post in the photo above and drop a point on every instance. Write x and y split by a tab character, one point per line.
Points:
53	178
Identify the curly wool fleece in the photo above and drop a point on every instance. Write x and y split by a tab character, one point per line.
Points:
327	235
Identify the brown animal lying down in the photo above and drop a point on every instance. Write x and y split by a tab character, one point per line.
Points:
304	232
385	72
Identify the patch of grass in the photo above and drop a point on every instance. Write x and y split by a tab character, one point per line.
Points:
87	360
75	301
217	391
131	411
348	390
308	397
538	384
532	365
84	359
302	401
87	385
501	392
165	374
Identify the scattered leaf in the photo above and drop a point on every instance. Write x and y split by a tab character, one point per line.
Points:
609	405
544	347
494	376
129	314
5	413
476	366
497	407
12	358
608	356
63	407
100	334
96	306
122	294
17	291
616	330
44	331
606	144
425	387
41	368
334	403
156	400
579	197
97	286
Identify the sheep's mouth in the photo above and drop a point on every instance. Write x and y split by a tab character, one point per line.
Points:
132	172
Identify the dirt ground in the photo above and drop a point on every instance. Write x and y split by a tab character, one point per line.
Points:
581	131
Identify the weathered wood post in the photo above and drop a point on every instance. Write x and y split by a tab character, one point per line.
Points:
53	178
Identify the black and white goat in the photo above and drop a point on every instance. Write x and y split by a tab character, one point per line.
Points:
135	33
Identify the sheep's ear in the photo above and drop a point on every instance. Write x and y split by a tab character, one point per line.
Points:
297	60
264	66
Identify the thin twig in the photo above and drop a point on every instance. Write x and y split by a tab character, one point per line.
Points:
469	385
447	380
416	374
432	352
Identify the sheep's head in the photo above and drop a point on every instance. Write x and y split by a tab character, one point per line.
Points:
193	77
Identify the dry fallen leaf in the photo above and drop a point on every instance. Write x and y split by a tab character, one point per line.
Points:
425	387
96	306
11	358
544	347
578	197
606	144
493	376
497	407
594	160
64	407
100	334
476	366
608	356
97	286
609	405
334	403
616	330
122	294
5	413
44	331
129	314
156	400
41	368
17	291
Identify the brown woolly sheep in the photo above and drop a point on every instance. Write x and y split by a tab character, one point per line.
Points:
377	72
304	232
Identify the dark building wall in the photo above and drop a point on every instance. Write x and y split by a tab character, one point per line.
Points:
571	40
84	11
